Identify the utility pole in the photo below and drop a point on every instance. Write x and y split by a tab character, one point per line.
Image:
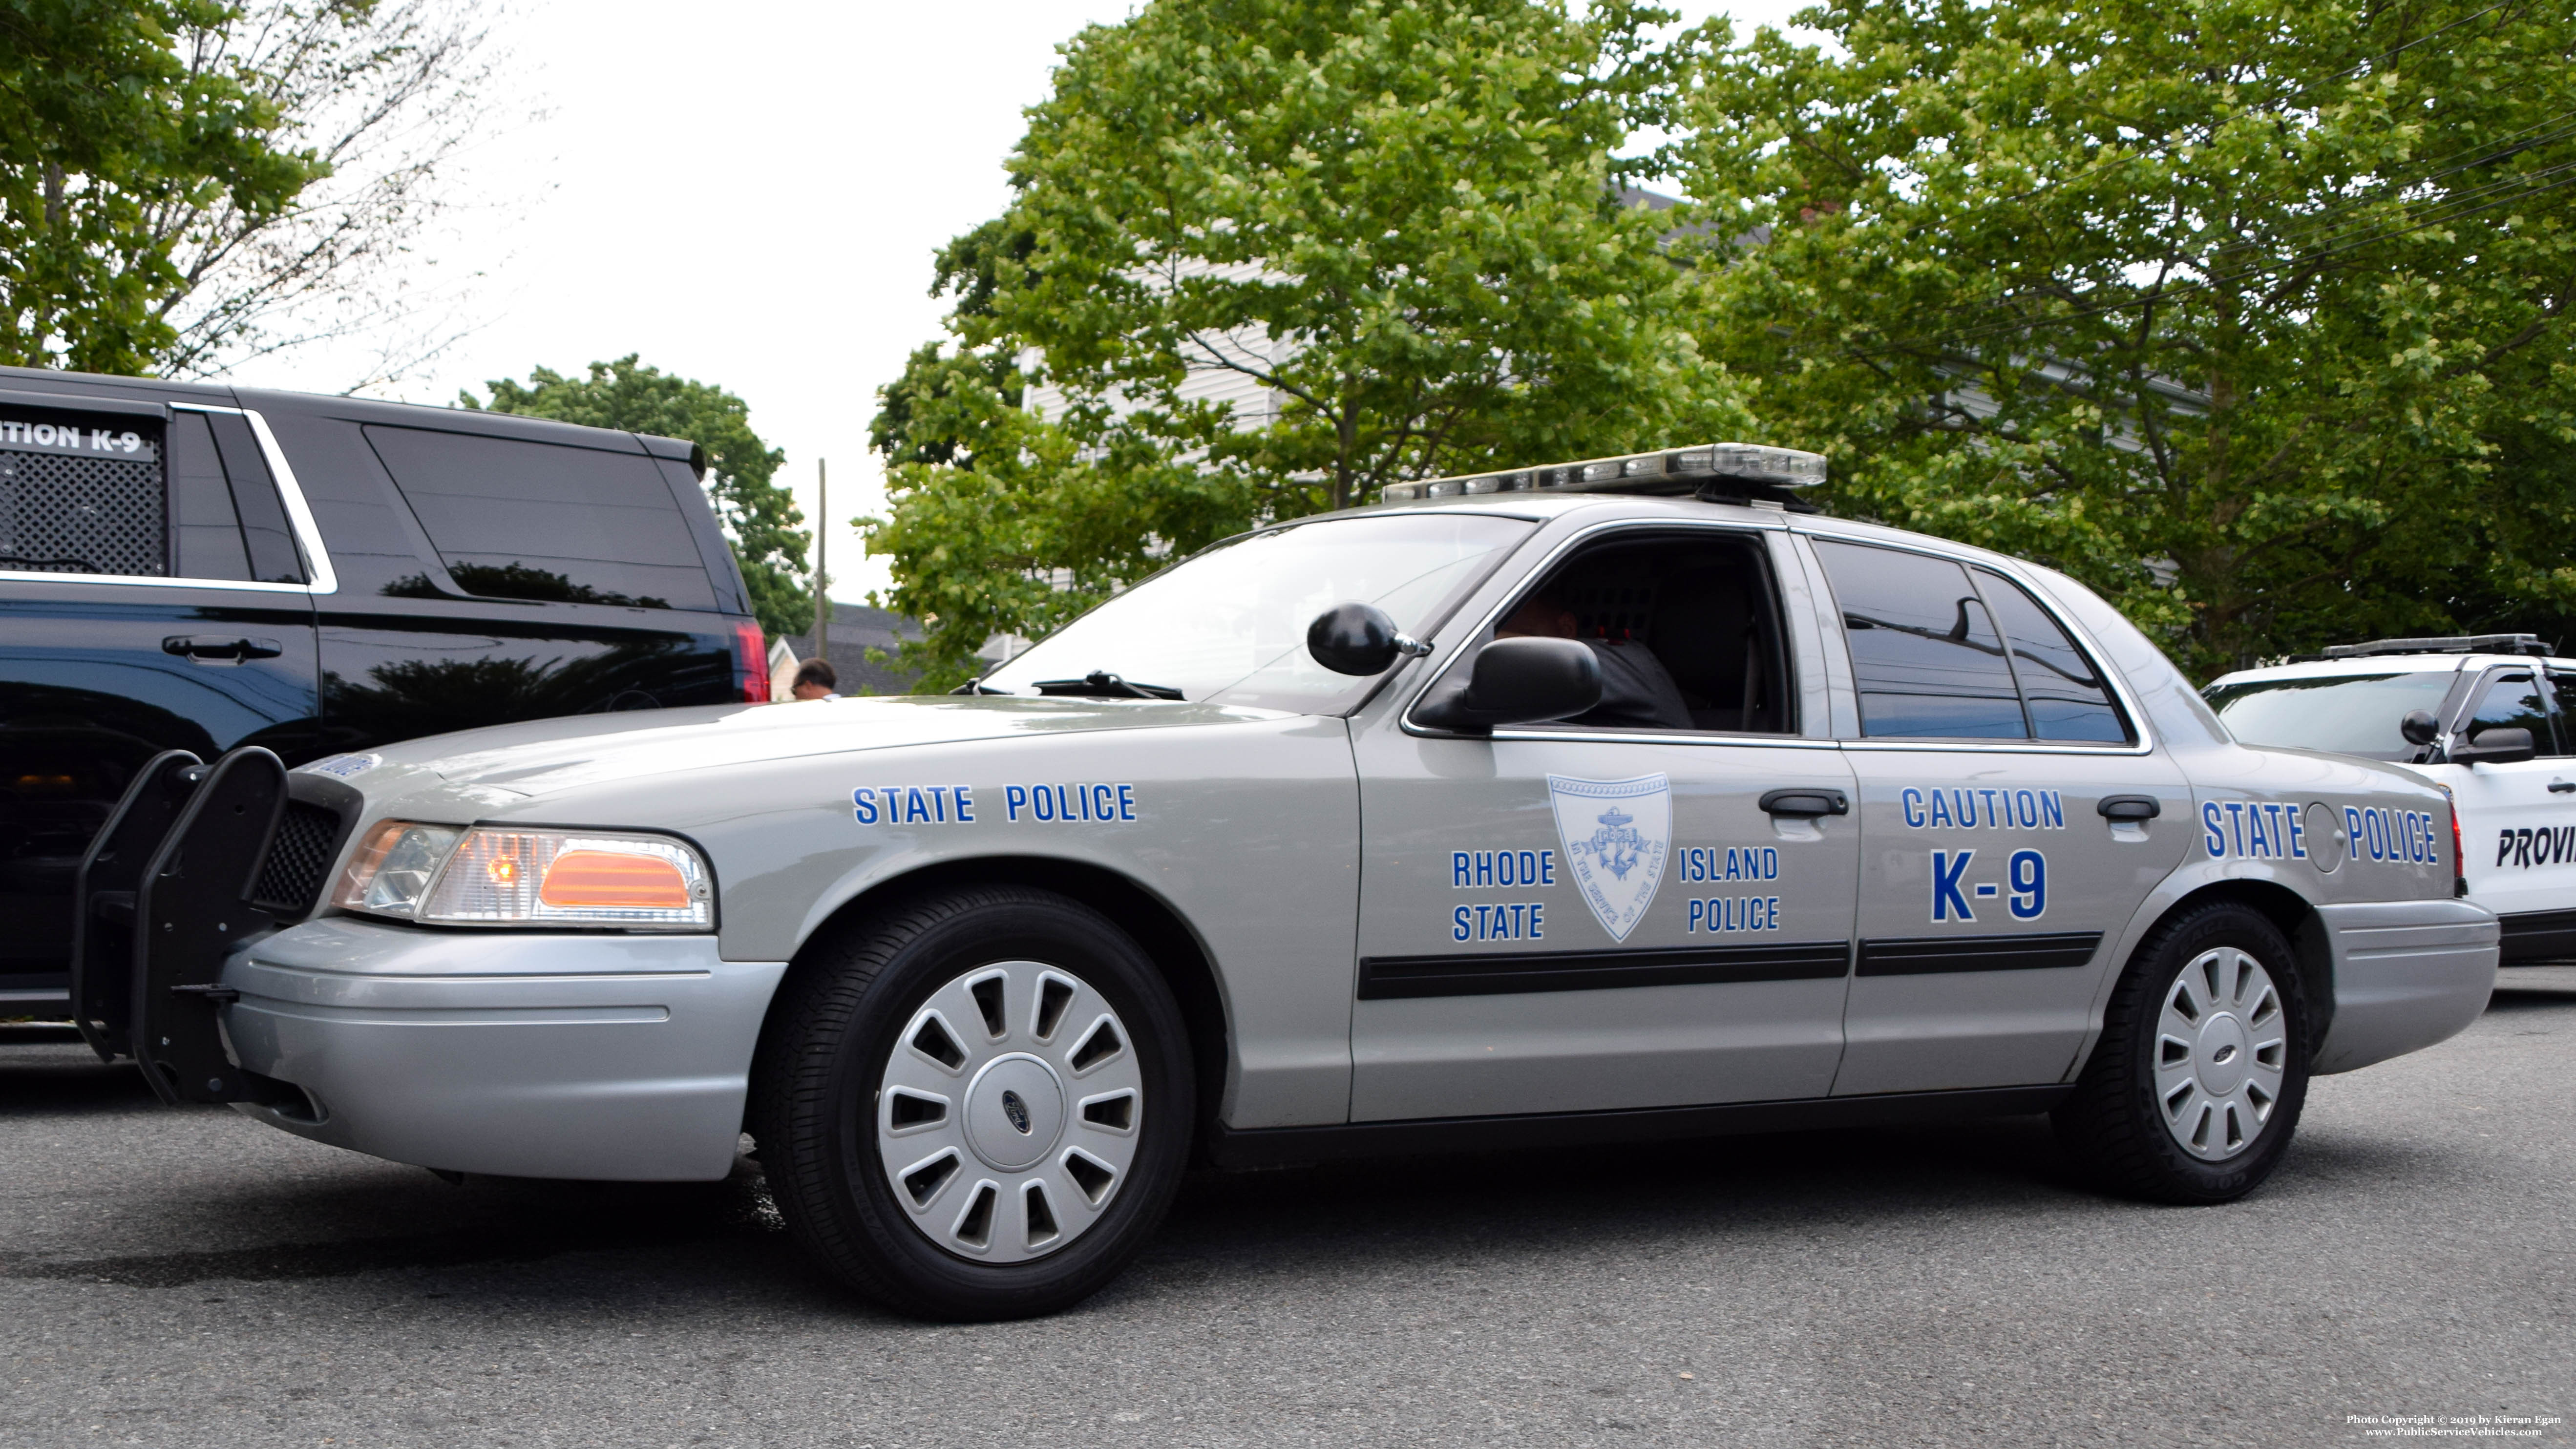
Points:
822	562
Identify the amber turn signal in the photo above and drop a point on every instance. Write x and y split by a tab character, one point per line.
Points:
615	880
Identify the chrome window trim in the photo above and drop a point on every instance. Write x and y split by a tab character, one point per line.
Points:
299	516
2010	569
1753	526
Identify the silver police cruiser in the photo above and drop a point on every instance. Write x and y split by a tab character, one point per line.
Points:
1584	805
2480	715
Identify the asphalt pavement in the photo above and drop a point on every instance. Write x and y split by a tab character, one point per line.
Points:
191	1278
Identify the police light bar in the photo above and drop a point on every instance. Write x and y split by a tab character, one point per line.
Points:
2445	644
1704	470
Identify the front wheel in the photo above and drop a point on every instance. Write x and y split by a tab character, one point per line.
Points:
976	1105
2195	1088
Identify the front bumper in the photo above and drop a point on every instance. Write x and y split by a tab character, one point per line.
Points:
517	1054
2407	974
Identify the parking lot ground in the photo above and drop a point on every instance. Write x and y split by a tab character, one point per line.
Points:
191	1278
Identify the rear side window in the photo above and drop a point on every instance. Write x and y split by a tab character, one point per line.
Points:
2067	696
1925	653
523	520
82	493
1940	651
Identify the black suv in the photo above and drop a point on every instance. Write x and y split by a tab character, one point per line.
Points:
191	567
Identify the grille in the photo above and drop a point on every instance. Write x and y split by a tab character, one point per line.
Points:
81	515
306	840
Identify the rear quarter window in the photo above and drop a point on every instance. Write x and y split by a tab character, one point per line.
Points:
517	519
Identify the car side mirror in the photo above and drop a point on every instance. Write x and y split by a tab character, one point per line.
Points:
2497	746
1359	639
2419	727
1516	681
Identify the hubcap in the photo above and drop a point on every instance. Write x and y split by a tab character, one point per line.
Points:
2222	1043
1008	1113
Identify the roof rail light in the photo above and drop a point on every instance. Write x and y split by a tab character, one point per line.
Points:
2442	644
1705	469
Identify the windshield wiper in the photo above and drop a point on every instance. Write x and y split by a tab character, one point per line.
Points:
1101	684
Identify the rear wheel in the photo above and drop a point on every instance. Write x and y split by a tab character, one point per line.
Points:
976	1105
2195	1089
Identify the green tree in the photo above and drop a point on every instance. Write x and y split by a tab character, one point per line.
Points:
105	131
1268	255
761	519
2253	315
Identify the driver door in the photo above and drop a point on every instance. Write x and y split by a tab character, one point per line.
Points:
1571	917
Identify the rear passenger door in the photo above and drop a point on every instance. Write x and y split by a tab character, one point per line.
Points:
1986	742
154	595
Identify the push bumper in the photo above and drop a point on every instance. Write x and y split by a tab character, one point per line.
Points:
2407	974
517	1054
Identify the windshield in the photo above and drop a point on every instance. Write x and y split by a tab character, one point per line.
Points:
2352	714
1229	625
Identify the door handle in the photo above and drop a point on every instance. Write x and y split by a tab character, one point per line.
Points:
217	646
2561	787
1806	802
2129	807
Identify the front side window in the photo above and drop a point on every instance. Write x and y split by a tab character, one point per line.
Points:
1684	626
82	493
1229	624
2513	701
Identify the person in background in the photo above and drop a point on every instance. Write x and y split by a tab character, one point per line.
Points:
1637	692
816	679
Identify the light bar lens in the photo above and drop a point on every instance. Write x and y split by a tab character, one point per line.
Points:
1746	462
500	876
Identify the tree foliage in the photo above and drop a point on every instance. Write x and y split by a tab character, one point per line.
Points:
2253	315
104	127
761	519
188	184
1265	256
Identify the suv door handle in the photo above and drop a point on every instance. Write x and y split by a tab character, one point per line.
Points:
2129	807
217	646
2561	787
1806	802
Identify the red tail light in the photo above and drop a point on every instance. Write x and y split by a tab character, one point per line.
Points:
2459	852
751	661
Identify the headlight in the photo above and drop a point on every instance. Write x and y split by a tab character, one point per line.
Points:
493	875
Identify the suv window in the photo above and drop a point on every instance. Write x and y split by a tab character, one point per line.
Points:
521	520
82	494
227	521
1685	628
2513	700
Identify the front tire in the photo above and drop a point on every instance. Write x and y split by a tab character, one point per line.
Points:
974	1105
2194	1091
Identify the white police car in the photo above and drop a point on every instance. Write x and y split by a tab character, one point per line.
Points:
2482	716
1562	808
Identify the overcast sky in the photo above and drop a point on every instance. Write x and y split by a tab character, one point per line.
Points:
749	196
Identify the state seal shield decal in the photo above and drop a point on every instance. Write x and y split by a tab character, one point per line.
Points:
1616	835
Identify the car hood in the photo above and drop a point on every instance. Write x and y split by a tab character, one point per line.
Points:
546	756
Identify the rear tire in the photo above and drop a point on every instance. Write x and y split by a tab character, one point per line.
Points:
1025	1051
2194	1091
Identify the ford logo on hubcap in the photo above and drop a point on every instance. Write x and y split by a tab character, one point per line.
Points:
1016	1110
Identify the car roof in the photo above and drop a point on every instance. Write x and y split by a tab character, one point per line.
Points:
2379	664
